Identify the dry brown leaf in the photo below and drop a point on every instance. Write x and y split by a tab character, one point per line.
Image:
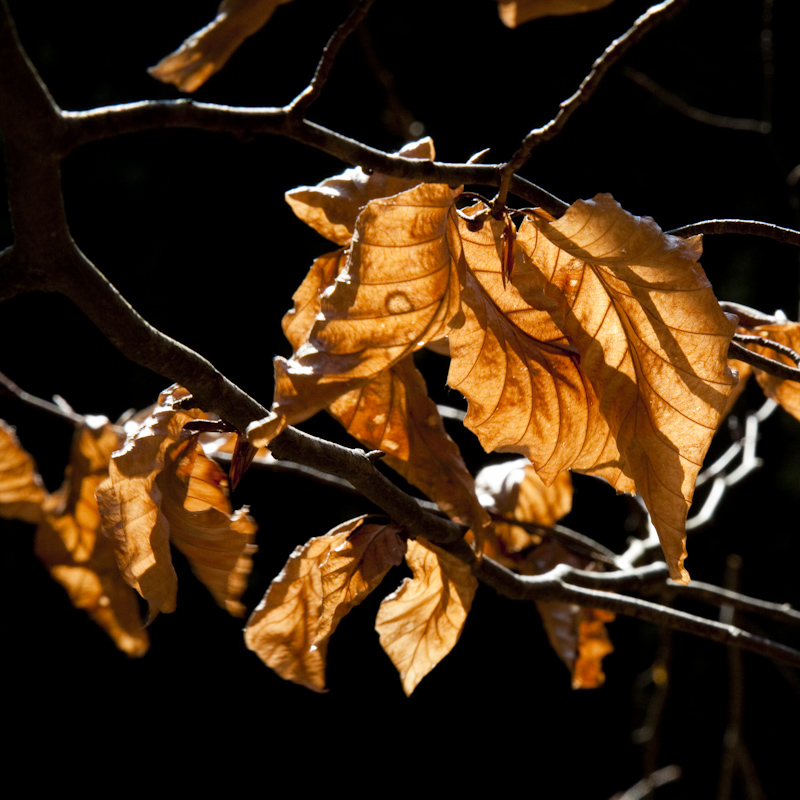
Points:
332	207
420	623
785	393
398	291
21	489
394	413
520	375
354	568
652	340
152	496
218	544
70	542
208	50
515	12
578	635
322	580
513	489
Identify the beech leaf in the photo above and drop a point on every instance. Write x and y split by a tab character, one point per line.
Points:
515	12
420	623
652	341
785	393
320	583
519	373
514	490
332	206
398	291
70	542
206	51
21	489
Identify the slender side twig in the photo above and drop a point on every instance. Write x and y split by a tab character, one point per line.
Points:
697	114
740	226
610	56
298	107
751	317
768	365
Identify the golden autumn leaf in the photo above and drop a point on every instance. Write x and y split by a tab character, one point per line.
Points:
206	51
70	542
578	635
21	489
513	489
332	206
785	393
394	413
161	489
652	341
515	12
218	543
398	291
420	623
322	580
520	375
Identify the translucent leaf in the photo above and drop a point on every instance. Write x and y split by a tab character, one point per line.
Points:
332	207
208	50
785	393
420	623
515	12
519	373
513	489
70	543
21	489
652	341
218	544
398	291
321	582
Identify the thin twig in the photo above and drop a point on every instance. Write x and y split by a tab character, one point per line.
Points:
298	107
690	111
610	56
768	365
740	226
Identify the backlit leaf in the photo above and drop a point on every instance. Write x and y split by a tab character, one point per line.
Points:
519	373
515	12
420	623
398	291
321	582
21	489
70	542
652	341
332	207
785	393
208	50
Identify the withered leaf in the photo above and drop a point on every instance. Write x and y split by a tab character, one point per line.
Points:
515	12
208	50
420	623
394	413
578	635
652	341
218	544
398	291
519	373
21	489
785	393
321	582
161	487
332	207
70	543
513	489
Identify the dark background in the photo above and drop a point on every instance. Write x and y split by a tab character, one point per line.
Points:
192	228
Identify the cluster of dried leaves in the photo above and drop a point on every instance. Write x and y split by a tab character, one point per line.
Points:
592	343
